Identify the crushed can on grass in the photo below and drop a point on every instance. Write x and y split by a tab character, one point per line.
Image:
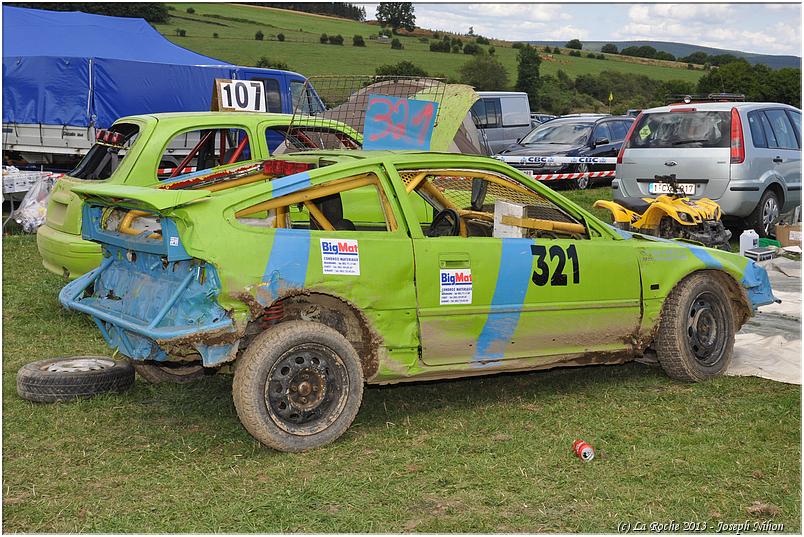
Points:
583	450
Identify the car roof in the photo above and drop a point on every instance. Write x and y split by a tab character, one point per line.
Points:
210	116
588	118
723	106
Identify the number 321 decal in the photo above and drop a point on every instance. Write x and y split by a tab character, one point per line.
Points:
542	271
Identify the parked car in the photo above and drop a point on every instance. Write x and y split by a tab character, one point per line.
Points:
744	156
581	135
502	117
147	150
506	276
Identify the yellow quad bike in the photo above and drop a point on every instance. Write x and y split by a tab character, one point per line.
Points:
674	216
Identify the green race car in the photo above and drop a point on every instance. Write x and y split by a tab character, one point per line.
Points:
503	274
148	150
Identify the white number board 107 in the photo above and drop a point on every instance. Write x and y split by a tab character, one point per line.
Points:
665	188
239	96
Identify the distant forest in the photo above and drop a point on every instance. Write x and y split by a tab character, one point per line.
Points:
150	11
338	9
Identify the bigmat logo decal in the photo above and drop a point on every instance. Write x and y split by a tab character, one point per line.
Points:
456	286
340	256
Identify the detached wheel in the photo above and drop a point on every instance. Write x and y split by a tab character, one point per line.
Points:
582	183
173	372
696	332
298	386
765	215
65	379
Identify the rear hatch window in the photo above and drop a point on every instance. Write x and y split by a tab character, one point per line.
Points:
110	149
689	129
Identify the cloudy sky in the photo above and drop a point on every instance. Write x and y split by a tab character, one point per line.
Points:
763	28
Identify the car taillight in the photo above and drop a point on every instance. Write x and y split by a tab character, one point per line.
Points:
282	168
737	140
627	139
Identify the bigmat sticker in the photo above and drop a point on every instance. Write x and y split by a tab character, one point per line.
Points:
340	256
456	286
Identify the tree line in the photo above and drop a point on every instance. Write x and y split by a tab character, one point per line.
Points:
150	11
338	9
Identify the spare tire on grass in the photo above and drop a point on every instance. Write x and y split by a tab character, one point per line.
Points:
73	377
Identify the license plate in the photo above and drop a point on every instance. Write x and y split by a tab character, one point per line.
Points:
664	188
529	173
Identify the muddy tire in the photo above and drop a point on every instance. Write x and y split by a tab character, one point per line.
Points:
765	215
174	373
695	341
67	378
298	386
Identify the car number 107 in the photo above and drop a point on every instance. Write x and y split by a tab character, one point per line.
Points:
241	95
664	188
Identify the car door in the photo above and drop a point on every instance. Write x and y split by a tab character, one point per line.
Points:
497	293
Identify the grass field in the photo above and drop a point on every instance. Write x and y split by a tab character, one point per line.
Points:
481	455
302	51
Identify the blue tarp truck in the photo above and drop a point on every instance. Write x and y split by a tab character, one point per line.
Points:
67	73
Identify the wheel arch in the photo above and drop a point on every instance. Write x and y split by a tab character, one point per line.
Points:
736	293
331	310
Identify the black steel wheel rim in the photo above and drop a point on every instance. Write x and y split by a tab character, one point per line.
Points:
706	328
306	389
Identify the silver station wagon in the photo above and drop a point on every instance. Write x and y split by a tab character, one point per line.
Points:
745	156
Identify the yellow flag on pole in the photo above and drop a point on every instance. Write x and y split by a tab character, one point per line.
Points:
611	96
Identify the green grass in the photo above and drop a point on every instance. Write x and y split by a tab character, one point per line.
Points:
481	455
303	53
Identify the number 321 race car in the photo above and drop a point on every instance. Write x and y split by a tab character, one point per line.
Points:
320	272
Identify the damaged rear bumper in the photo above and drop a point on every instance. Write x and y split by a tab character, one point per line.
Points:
145	305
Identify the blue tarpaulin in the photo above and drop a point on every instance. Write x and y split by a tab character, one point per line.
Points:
73	68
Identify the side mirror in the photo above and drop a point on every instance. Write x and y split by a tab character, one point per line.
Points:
600	141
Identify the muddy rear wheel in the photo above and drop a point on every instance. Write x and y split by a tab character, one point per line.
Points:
298	386
695	341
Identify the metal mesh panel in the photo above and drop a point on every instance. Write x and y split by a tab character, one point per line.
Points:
344	98
458	190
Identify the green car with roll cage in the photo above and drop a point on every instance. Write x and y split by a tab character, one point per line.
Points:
504	275
148	149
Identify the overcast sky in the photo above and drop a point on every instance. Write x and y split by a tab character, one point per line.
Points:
763	28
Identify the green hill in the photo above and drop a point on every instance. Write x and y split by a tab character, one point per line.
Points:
236	26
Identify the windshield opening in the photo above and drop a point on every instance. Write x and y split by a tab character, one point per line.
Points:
559	133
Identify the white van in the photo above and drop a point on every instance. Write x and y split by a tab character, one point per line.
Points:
503	117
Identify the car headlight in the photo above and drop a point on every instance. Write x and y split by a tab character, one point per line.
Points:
685	217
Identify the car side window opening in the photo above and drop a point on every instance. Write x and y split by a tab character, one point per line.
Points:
202	149
291	139
757	131
795	117
273	95
602	132
782	129
305	100
618	130
477	203
108	152
487	113
769	135
352	204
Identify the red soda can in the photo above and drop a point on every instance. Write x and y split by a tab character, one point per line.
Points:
583	450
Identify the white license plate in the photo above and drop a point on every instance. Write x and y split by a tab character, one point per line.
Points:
529	173
664	188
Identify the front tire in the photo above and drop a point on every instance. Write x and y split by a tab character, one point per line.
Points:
695	341
298	386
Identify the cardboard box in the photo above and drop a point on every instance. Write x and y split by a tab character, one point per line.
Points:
789	235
